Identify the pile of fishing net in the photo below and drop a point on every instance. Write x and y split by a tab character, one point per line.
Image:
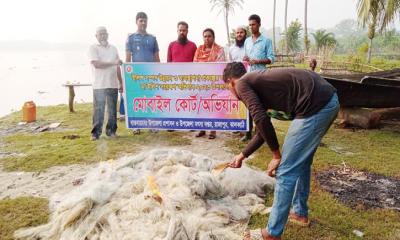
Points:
163	194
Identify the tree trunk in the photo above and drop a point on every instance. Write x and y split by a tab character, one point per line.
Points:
305	28
286	36
227	27
371	35
273	27
369	50
360	117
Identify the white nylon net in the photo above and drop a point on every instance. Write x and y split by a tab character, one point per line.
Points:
160	195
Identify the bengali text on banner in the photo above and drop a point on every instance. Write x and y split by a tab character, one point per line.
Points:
181	96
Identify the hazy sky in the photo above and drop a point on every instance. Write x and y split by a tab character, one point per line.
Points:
76	20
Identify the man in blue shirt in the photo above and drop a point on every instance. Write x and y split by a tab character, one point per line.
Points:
140	47
258	52
258	48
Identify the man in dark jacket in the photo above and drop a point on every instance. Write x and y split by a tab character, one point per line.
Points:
292	94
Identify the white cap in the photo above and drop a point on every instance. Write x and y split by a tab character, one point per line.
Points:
241	27
101	29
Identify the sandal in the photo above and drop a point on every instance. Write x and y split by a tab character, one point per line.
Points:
200	134
212	136
257	235
136	131
253	235
299	220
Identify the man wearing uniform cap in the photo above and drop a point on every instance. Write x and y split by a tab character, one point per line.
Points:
141	46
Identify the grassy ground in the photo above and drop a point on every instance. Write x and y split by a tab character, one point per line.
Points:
373	150
21	212
378	62
47	149
43	150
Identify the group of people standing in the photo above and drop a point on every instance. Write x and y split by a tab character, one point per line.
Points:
143	47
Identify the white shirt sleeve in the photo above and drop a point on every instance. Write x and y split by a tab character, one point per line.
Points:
116	53
230	55
93	54
246	53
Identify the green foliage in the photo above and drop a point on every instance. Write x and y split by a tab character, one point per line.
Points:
20	213
376	13
350	44
322	39
386	45
293	36
363	48
378	62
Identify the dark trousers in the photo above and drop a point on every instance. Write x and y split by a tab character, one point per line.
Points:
101	97
121	106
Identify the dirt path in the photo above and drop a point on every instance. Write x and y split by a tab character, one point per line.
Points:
59	179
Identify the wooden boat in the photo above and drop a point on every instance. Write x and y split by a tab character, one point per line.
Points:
369	90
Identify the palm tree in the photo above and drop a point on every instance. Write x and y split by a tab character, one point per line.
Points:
323	39
226	6
286	42
273	27
306	40
370	12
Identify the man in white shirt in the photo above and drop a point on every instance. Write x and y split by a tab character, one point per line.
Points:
236	51
106	82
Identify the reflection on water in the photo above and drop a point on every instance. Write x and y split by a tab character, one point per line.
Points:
39	75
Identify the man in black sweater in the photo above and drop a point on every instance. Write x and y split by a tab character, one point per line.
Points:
291	94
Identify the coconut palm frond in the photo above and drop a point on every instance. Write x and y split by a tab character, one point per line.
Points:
363	11
392	12
226	7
